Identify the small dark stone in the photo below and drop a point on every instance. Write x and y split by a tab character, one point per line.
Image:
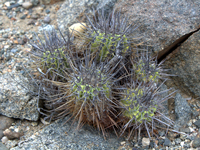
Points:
196	142
35	16
47	11
167	142
13	6
186	130
23	17
18	9
197	123
162	133
151	144
161	141
32	22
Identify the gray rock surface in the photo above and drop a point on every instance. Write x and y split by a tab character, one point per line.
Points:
185	64
182	110
15	99
71	10
2	147
65	136
161	22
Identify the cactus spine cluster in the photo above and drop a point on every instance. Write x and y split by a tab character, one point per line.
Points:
107	82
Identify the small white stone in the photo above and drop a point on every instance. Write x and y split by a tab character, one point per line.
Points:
6	46
27	5
16	130
77	28
4	139
191	129
123	142
182	144
145	141
7	4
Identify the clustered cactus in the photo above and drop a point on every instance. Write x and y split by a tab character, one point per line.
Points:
107	82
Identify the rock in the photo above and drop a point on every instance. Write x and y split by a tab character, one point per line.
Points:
27	5
35	16
160	23
47	19
20	2
23	17
185	64
15	89
167	142
7	4
145	142
47	11
31	22
35	2
11	135
182	110
5	123
4	140
45	2
13	6
77	28
197	123
70	11
65	136
3	147
46	27
196	142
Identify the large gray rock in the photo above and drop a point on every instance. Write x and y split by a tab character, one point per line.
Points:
73	10
15	99
160	23
63	137
185	64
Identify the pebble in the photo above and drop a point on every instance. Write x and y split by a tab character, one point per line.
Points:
196	142
23	17
77	28
167	142
20	2
12	135
4	139
13	6
27	5
2	39
197	123
47	19
35	2
47	11
14	50
35	16
31	22
7	4
145	142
